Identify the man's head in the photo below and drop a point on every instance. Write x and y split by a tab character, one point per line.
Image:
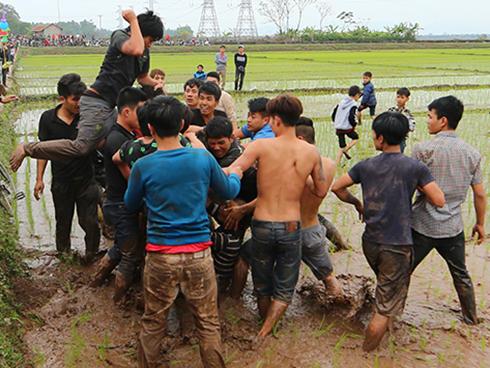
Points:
165	116
219	136
222	49
128	101
284	112
213	77
366	77
241	49
305	130
355	93
200	68
70	89
191	92
158	74
389	129
257	113
209	95
445	113
141	113
402	97
151	27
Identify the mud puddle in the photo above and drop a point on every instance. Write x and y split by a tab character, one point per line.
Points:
69	324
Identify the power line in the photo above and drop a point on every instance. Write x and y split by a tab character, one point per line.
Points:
208	25
246	26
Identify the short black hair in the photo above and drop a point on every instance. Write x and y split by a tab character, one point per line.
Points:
368	74
287	107
193	82
393	126
71	85
222	46
303	120
165	115
258	105
403	92
150	25
200	65
130	97
210	88
219	127
354	91
307	132
449	107
214	75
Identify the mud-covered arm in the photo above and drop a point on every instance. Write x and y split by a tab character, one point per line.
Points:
339	188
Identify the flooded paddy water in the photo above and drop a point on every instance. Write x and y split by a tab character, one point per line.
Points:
69	324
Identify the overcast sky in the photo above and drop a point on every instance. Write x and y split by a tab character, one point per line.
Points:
435	16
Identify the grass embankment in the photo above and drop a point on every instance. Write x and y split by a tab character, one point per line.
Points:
11	354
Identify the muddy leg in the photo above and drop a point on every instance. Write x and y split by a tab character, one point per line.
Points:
375	331
263	304
240	273
275	312
453	252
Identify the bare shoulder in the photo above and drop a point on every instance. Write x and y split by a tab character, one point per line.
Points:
328	164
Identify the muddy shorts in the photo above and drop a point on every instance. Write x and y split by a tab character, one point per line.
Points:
314	251
372	109
275	258
341	134
392	265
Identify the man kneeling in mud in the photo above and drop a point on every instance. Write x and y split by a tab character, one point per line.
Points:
284	164
388	183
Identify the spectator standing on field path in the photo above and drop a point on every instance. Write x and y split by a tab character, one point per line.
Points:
221	61
240	65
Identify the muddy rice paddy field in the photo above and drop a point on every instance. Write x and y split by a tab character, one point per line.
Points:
69	324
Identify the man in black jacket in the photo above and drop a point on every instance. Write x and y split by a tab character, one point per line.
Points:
240	64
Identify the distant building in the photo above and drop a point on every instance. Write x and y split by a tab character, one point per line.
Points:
51	31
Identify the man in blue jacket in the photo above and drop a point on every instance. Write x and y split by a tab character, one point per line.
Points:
178	234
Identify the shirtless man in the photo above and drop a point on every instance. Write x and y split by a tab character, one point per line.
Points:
314	246
284	164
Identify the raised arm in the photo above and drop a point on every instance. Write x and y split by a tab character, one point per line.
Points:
480	203
340	189
135	45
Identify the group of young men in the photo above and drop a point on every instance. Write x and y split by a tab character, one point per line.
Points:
181	168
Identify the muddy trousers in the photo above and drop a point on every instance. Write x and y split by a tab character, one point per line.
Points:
453	252
84	195
193	275
96	119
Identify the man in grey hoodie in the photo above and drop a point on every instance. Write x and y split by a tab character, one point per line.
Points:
344	119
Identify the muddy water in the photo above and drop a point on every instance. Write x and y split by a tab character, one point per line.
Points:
69	324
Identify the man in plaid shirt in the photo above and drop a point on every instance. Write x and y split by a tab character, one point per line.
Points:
456	166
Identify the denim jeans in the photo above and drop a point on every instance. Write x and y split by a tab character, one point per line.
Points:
276	258
126	249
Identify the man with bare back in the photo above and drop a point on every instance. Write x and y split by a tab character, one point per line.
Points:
284	164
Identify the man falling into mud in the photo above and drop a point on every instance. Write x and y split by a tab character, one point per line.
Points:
126	59
284	164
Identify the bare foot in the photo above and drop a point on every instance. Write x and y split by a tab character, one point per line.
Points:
333	288
375	331
17	157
